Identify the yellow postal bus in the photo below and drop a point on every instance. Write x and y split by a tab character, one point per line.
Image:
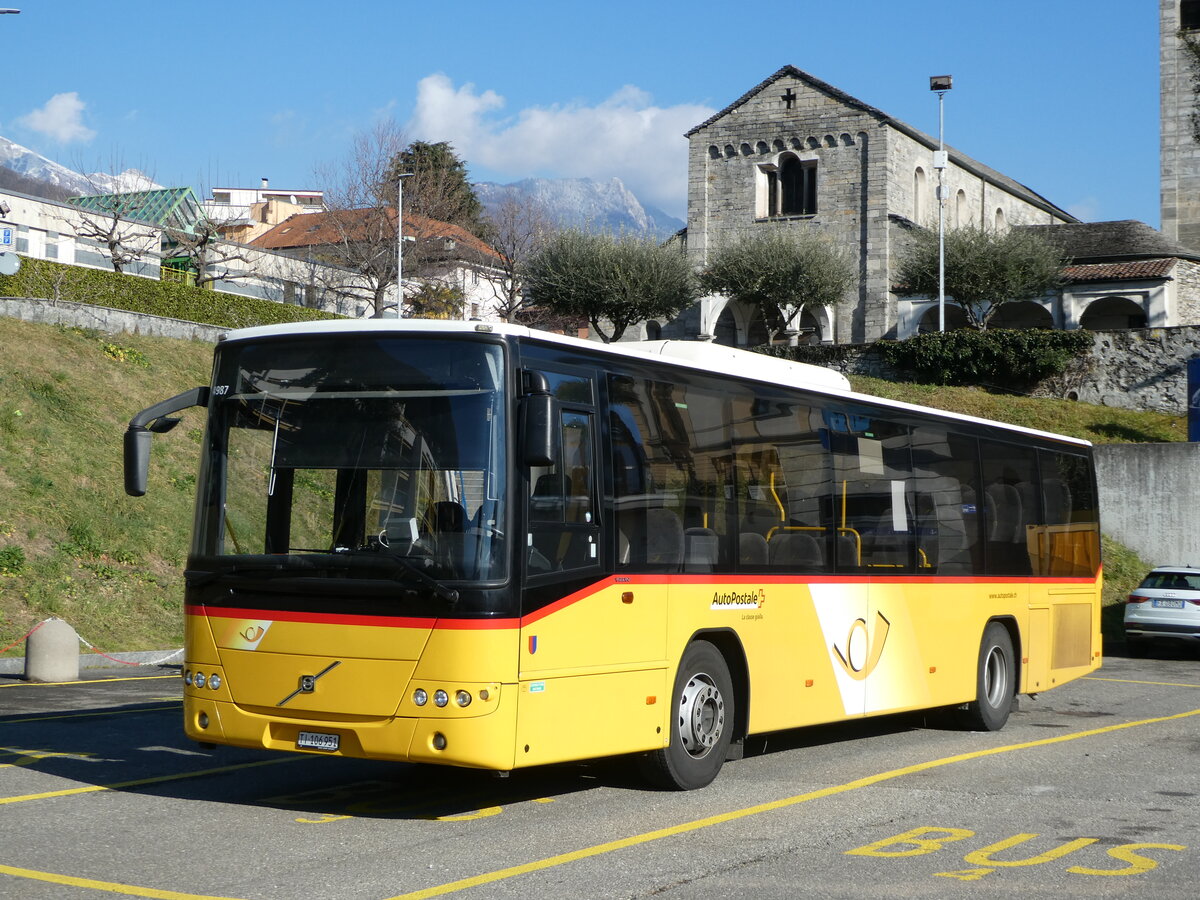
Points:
480	545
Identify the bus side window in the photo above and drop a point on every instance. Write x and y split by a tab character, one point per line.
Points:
1011	502
1066	539
562	501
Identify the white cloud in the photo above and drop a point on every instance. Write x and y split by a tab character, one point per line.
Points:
61	119
625	135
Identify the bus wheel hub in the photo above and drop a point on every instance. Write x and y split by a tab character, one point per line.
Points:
701	715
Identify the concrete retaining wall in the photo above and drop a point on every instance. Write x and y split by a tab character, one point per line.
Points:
1148	499
101	318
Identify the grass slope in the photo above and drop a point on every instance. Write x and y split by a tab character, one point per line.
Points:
73	545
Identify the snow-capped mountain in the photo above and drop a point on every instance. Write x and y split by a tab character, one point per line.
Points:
33	165
585	203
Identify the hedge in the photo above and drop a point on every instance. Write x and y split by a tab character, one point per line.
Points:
98	287
998	357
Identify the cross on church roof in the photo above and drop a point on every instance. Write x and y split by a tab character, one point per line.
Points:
788	98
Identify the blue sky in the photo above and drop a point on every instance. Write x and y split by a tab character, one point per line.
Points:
1060	94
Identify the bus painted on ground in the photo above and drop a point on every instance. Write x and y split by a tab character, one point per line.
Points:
486	546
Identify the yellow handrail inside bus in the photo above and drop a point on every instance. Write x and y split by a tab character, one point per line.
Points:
778	502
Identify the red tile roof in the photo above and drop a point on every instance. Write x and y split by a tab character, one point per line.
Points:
331	227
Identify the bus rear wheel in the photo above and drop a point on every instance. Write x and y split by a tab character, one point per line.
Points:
702	717
995	682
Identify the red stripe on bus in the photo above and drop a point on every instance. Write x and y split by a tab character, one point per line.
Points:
610	582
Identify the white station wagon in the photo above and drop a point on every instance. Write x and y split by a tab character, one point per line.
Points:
1166	605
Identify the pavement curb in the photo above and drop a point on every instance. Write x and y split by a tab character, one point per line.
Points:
15	665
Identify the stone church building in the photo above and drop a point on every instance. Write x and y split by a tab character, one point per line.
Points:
795	152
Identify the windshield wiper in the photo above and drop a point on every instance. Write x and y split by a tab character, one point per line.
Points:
407	571
285	565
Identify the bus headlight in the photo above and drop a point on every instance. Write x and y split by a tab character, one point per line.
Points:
198	679
463	698
440	698
420	697
187	677
214	681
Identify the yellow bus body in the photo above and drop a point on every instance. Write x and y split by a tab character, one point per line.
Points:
591	675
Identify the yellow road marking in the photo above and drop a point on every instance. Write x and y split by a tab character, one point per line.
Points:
76	683
734	815
586	852
159	779
113	712
1133	681
109	886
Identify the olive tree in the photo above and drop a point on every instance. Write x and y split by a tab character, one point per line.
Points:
780	272
984	269
613	281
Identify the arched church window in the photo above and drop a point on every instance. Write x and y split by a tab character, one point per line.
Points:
961	214
797	187
1001	222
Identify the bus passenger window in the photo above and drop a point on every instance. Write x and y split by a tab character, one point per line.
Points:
562	501
1011	502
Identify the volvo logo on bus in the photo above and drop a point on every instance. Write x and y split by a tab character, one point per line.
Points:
308	683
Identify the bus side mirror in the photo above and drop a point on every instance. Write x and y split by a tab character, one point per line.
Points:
141	428
137	460
539	421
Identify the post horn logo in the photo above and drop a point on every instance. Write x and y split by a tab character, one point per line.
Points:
863	650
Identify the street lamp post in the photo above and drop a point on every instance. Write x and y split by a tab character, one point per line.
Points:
400	240
941	84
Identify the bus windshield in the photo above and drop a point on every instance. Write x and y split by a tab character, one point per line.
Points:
363	457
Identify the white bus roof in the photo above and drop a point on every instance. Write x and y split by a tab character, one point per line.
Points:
697	355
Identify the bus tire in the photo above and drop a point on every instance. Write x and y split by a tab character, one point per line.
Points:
702	722
995	682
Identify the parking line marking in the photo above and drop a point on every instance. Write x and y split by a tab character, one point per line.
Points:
141	782
109	886
1134	681
28	684
732	816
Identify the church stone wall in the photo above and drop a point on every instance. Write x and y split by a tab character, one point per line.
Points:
865	176
849	147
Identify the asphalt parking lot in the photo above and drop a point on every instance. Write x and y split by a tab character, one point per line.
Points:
1089	791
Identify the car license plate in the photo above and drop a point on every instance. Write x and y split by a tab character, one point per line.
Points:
1167	604
315	740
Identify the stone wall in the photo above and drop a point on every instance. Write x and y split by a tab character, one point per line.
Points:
1143	368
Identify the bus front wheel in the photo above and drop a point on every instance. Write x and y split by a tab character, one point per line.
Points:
995	682
702	718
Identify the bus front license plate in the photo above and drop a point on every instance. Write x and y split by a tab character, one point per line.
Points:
315	740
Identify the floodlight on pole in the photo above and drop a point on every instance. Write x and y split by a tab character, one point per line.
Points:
940	84
400	240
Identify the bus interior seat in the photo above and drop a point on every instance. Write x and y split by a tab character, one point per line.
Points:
1004	513
796	550
848	551
752	549
664	538
701	549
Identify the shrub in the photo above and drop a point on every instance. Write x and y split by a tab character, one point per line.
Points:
98	287
999	357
